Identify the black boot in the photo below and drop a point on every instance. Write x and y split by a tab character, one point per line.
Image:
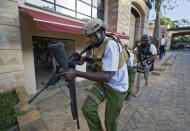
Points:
128	97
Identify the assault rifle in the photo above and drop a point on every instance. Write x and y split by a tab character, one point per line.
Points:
142	63
58	52
140	67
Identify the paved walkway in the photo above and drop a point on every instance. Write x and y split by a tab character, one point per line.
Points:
162	106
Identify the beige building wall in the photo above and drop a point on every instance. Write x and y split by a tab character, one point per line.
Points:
132	31
11	56
124	14
112	16
120	19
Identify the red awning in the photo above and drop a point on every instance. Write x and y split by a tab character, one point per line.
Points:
53	23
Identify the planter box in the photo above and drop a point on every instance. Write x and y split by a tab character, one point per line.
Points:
30	119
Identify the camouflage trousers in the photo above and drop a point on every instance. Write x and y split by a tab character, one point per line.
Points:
142	76
114	102
131	74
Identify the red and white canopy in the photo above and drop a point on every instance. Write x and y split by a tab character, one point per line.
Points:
53	23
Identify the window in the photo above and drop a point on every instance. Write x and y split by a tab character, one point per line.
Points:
81	9
65	11
94	12
70	4
41	3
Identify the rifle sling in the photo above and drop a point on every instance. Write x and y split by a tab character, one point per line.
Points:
99	91
94	98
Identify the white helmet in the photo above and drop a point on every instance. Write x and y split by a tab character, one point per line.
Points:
92	26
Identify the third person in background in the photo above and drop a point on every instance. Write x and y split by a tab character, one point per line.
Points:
146	53
163	44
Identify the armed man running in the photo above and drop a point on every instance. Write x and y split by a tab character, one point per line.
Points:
109	63
146	53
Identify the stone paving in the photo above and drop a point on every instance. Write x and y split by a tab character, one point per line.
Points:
164	105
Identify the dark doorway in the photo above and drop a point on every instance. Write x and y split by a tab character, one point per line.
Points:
43	59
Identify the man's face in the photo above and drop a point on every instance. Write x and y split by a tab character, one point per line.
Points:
144	42
92	39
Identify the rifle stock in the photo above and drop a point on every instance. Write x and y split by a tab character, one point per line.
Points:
58	52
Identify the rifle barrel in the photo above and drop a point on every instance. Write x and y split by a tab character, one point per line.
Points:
38	93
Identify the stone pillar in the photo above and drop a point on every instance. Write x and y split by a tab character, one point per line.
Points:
142	25
124	16
11	56
146	21
137	28
113	14
132	31
169	41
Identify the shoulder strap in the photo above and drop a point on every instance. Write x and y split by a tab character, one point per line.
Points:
148	48
124	55
139	48
102	49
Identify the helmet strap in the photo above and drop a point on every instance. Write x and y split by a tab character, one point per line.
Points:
100	38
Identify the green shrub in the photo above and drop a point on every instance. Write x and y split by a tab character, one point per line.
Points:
155	42
7	113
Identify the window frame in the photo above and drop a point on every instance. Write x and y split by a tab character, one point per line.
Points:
75	11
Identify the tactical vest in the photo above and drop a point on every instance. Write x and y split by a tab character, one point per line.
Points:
144	51
98	54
